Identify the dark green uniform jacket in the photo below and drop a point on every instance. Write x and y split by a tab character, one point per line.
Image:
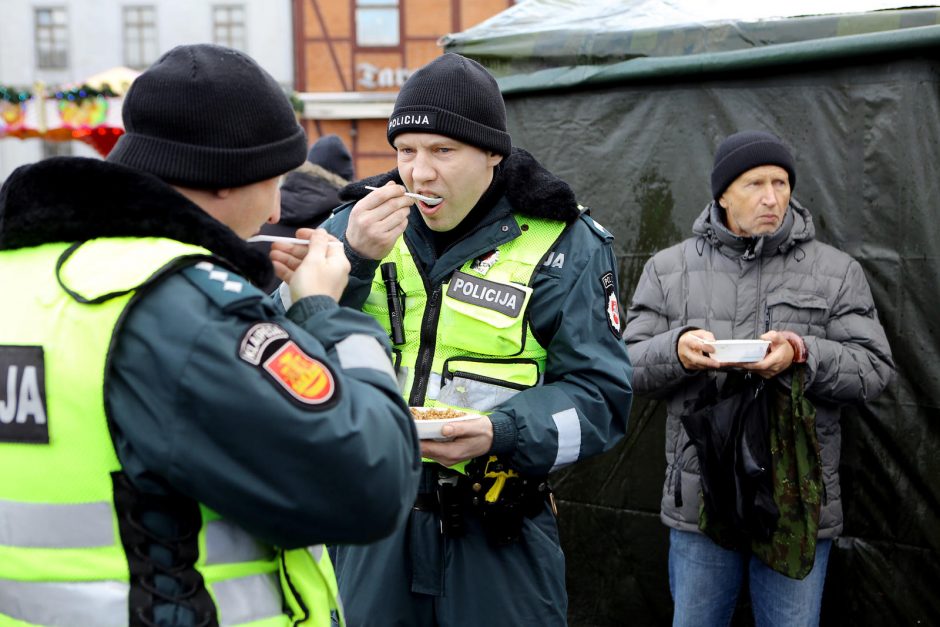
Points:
587	367
580	409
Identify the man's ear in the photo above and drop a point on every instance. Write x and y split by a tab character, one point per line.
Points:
222	194
722	202
493	158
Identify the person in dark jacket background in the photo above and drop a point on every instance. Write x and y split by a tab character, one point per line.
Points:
754	269
179	448
311	192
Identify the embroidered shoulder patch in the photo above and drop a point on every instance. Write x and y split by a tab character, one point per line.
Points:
257	340
301	377
23	410
611	304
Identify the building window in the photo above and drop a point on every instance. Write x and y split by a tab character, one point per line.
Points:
52	49
56	149
377	23
228	25
140	36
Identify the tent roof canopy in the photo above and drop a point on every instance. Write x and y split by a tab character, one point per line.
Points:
539	34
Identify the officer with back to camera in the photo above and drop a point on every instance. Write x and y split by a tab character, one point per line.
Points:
174	450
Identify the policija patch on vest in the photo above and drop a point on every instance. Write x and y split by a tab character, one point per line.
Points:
307	380
611	305
23	409
505	299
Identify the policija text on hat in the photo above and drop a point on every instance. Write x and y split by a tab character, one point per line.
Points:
174	449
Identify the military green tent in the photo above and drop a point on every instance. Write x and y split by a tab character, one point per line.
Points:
627	100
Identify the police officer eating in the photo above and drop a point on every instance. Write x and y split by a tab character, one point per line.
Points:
500	294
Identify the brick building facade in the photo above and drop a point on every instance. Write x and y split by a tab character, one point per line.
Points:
351	57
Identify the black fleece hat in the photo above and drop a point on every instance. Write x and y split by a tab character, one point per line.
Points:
329	152
209	117
745	150
456	97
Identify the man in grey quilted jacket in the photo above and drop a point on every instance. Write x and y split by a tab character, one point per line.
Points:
752	270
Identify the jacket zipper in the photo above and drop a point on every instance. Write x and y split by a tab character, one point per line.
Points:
432	311
760	301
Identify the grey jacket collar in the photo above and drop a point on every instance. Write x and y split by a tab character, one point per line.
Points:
797	227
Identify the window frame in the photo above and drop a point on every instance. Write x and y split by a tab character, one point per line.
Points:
376	6
135	35
229	25
52	36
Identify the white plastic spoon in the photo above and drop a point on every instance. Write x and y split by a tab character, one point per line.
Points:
278	238
425	199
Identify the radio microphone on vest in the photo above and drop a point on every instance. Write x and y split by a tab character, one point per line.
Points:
390	278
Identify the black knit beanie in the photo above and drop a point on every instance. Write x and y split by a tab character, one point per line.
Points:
745	150
456	97
329	152
209	117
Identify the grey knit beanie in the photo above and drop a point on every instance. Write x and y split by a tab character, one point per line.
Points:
209	117
746	150
456	97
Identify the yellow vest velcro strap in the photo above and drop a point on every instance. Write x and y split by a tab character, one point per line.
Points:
229	544
57	526
88	604
364	351
246	599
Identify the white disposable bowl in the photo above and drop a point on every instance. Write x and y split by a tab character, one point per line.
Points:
738	351
431	429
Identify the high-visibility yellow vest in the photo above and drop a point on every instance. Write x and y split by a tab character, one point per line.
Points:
469	344
62	561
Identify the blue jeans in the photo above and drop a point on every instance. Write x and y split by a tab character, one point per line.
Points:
705	579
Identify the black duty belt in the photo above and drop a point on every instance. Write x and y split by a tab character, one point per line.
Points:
454	497
427	502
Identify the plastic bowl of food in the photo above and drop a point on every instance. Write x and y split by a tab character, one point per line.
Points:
430	420
738	351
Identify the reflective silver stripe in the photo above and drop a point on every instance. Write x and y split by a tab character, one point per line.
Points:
57	526
434	386
364	351
473	394
402	379
569	437
316	551
227	543
87	604
245	599
283	290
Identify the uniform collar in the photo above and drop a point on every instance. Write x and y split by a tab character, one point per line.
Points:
495	229
91	198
